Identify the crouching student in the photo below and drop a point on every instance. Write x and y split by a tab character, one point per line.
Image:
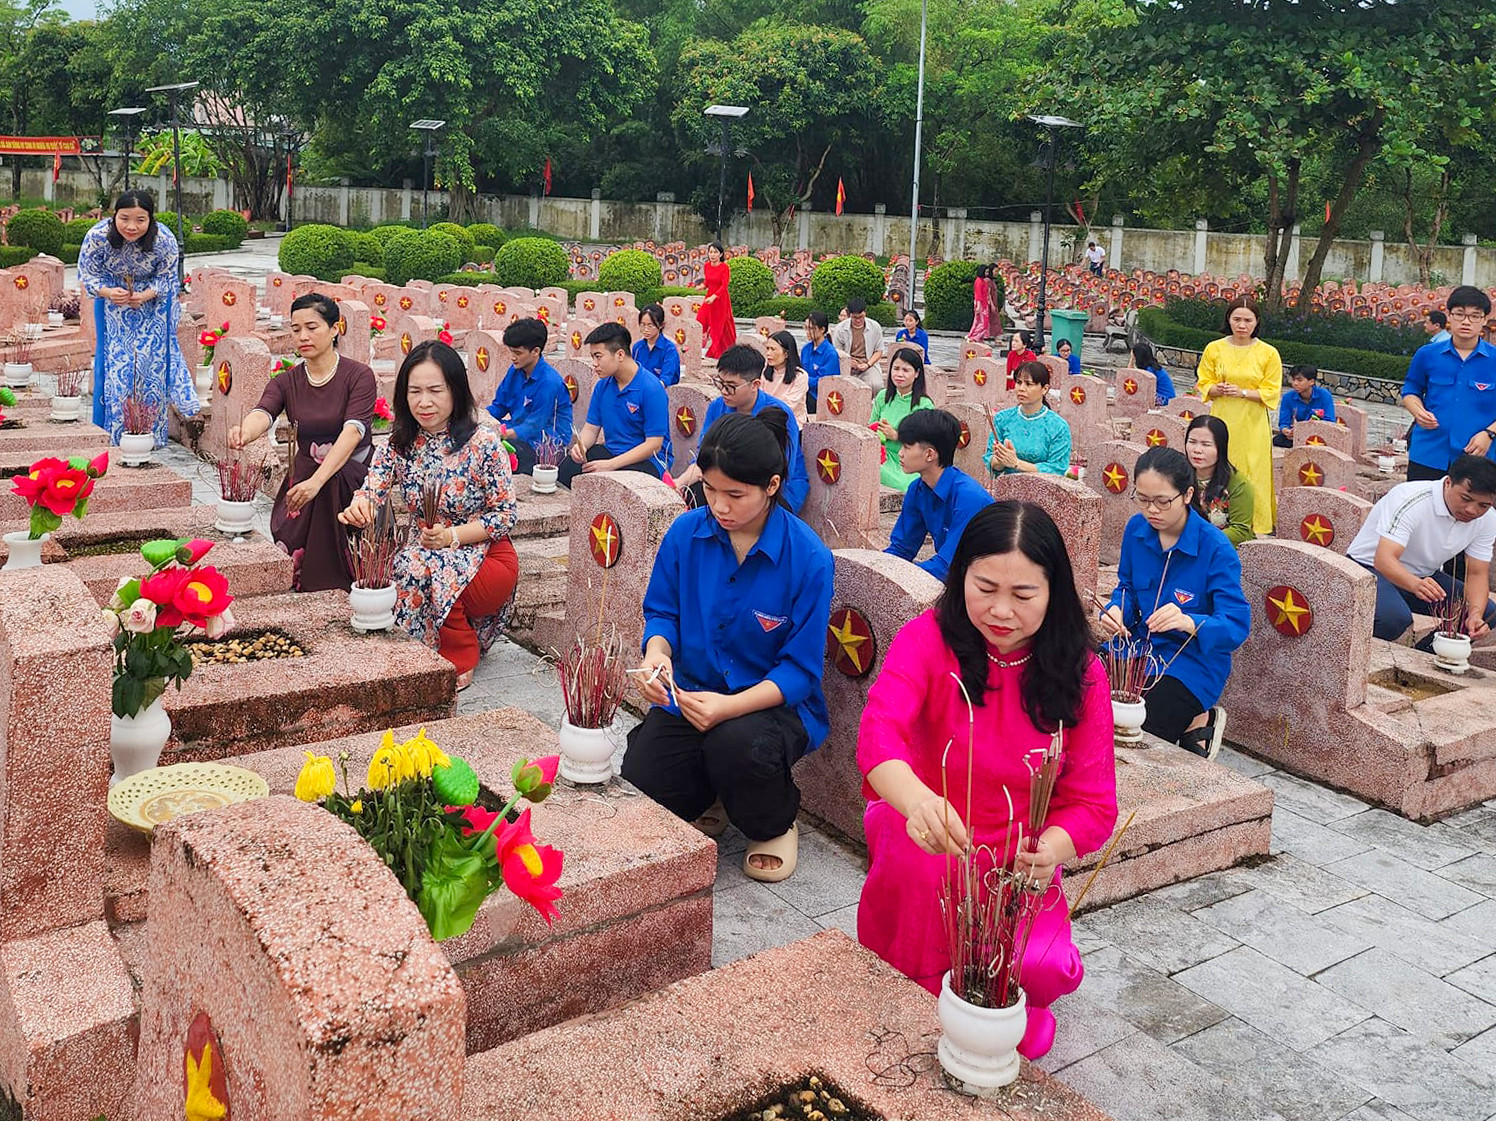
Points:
942	498
1415	531
740	371
735	620
654	351
1308	401
1179	589
629	412
532	401
818	356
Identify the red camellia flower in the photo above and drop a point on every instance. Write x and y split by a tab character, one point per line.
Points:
65	489
207	338
475	818
382	409
98	467
161	589
203	593
530	870
32	485
194	551
549	765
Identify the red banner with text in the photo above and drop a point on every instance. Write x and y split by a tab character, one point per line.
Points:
40	146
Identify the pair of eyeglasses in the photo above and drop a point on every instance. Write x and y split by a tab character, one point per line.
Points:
726	387
1481	315
1154	503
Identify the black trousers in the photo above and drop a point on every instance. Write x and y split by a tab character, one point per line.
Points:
525	453
570	468
810	400
1171	709
1282	441
1418	473
745	761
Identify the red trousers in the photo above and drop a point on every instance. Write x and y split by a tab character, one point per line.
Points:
486	594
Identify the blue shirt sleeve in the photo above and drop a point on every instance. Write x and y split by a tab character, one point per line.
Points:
1074	362
656	411
909	531
1285	410
502	405
969	499
1230	618
662	596
797	486
1327	403
802	657
1416	381
669	363
1163	388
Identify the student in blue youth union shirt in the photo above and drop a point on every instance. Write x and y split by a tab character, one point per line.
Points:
1179	589
654	352
818	357
942	498
735	620
1450	390
629	412
1308	401
532	401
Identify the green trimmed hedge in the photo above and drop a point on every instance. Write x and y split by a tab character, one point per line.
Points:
794	309
214	243
325	252
13	255
531	262
630	270
471	279
838	279
486	233
948	296
386	232
1321	328
226	223
750	280
69	254
367	248
421	255
37	228
363	268
460	235
1164	331
75	231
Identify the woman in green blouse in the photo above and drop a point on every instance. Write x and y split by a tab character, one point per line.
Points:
1223	495
905	393
1030	436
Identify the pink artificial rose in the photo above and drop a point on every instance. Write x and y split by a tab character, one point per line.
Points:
111	620
220	624
140	617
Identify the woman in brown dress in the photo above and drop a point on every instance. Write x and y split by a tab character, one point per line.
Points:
330	400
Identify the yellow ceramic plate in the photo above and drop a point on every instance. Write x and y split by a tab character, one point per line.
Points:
145	800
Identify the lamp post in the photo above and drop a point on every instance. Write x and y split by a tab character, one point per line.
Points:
726	114
127	117
174	93
919	124
1049	124
291	134
428	129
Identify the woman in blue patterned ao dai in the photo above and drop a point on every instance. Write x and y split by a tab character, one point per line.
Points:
128	264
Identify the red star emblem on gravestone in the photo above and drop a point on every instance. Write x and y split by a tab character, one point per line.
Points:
828	466
970	353
481	358
1288	611
1078	394
604	540
1340	420
229	298
835	402
24	282
277	281
589	304
1311	474
543	313
619	301
685	420
1114	478
979	376
442	296
1317	530
500	307
225	377
1129	387
1156	438
1315	442
576	340
463	301
571	387
1187	414
676	309
680	336
405	342
380	299
204	1068
764	331
342	325
965	435
406	303
849	642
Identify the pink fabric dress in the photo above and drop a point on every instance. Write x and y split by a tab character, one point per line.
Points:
981	314
914	709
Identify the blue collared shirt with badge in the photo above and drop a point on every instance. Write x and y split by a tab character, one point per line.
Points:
797	486
942	513
1292	408
1460	392
730	625
1201	574
820	361
534	406
631	415
662	360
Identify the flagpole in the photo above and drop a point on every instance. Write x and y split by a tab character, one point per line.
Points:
919	121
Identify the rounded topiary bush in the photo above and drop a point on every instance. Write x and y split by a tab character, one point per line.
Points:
750	281
367	249
530	262
630	270
36	229
948	296
75	231
385	234
459	234
167	220
420	255
226	223
325	252
838	279
486	233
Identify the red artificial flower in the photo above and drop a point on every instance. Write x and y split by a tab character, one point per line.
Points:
32	485
382	409
194	551
224	330
513	462
475	819
161	589
530	870
98	467
203	594
207	338
65	489
549	765
445	336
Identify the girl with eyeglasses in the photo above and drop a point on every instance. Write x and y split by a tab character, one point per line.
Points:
1179	593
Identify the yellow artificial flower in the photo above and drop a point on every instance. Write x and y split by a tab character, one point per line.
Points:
419	754
317	779
384	768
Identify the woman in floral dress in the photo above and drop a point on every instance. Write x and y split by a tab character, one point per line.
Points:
455	579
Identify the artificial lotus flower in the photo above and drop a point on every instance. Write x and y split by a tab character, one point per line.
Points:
475	819
98	466
317	779
161	589
533	781
33	484
193	551
202	595
65	490
530	870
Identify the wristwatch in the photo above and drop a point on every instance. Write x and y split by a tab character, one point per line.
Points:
1489	434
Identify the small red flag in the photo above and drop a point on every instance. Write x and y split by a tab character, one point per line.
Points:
548	175
841	195
750	192
56	166
290	175
1327	213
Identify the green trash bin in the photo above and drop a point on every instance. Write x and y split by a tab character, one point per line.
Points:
1068	325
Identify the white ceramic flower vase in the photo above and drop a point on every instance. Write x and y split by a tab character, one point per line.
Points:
135	742
1128	716
202	381
33	331
586	754
373	608
543	479
54	319
18	375
24	552
136	448
1451	651
234	518
978	1046
66	408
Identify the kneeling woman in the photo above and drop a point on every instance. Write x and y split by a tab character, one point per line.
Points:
454	582
1179	590
1223	495
735	620
1010	628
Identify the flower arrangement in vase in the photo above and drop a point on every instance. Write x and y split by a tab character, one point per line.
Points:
377	324
150	617
445	334
548	454
418	809
53	488
67	397
384	416
138	424
371	560
208	339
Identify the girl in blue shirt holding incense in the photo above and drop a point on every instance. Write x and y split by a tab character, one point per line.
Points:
735	620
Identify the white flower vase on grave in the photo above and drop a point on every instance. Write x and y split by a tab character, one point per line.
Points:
136	448
18	375
543	481
586	754
1451	651
234	518
24	552
66	409
54	319
33	331
373	608
135	742
1128	716
202	381
978	1046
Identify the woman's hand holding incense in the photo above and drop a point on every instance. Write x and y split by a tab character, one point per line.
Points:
1039	863
935	826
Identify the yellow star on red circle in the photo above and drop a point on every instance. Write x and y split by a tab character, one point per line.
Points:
1317	530
1114	477
828	466
1310	475
1156	438
1129	387
1288	610
849	640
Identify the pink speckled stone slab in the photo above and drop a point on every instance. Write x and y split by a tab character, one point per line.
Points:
122	490
1116	508
67	1024
845	512
969	458
1076	510
856	398
540	515
44	436
1155	425
1137	402
1336	436
1334	470
347	683
695	399
327	993
708	1044
54	759
487	358
1343	512
1087	416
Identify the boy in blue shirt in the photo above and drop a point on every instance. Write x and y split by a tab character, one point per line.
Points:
1450	390
943	499
629	412
738	373
1308	401
818	356
532	397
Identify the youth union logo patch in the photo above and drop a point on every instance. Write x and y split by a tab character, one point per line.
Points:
1183	596
770	622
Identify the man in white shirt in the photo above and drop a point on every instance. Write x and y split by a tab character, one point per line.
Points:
862	338
1096	256
1414	531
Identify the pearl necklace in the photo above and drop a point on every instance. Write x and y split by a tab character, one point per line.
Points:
316	384
996	661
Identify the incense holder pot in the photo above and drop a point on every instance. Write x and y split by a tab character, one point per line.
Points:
234	518
135	448
543	479
586	754
373	608
978	1046
1128	715
1452	652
